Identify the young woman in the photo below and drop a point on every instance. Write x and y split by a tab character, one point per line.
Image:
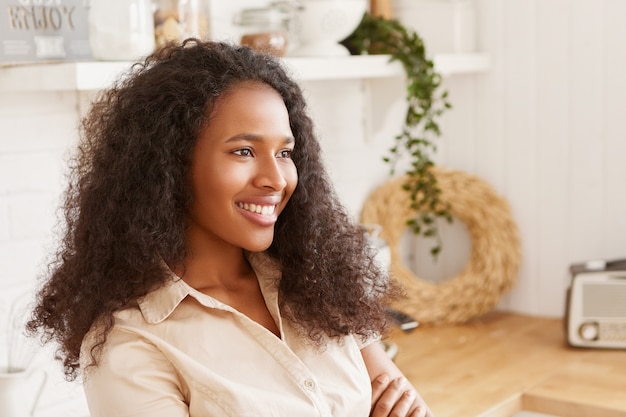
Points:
208	268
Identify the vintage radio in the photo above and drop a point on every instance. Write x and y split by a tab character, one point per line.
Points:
596	305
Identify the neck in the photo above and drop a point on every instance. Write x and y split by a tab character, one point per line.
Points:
213	265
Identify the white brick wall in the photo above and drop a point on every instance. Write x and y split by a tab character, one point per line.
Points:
37	130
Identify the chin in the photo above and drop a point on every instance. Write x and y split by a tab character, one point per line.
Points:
258	246
258	241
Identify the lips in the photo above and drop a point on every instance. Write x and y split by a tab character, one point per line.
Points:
261	211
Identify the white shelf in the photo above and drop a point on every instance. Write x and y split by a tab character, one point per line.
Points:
378	66
96	75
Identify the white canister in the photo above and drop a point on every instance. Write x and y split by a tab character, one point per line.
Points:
121	30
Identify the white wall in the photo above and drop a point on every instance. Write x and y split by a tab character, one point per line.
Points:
549	133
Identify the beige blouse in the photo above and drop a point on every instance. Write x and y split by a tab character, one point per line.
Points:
180	352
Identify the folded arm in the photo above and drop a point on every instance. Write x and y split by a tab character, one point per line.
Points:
392	394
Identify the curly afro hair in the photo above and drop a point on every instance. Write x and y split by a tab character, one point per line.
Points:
126	206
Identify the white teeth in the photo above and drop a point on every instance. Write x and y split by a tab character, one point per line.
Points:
257	208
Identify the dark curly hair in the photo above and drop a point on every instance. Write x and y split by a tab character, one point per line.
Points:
126	207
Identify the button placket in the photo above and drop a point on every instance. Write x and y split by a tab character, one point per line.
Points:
309	384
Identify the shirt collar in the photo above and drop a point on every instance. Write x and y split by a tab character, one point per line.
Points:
157	305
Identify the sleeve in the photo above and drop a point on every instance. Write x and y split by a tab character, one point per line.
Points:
133	379
363	342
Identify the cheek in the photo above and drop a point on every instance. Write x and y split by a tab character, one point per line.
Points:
292	179
211	190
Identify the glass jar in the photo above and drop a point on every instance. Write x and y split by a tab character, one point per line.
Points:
120	29
177	20
264	29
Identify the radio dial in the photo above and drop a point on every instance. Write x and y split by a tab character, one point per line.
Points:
588	331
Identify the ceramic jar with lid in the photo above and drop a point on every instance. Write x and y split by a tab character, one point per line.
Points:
177	20
121	29
264	29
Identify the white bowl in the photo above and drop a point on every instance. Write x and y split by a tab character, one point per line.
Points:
319	26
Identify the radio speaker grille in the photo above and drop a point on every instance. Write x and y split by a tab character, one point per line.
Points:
604	300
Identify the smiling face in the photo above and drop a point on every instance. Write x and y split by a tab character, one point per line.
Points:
242	174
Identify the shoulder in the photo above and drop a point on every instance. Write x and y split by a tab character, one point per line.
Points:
124	327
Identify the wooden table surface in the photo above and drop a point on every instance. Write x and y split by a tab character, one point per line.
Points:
503	363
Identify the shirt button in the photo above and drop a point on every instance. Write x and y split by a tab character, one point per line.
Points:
309	384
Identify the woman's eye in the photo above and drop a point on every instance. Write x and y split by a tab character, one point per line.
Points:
285	153
243	152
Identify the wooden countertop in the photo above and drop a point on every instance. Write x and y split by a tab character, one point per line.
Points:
503	363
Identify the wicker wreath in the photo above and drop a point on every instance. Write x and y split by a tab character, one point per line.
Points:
495	254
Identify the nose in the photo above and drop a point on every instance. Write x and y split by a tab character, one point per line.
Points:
270	174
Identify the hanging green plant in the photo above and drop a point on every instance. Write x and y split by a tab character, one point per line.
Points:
379	35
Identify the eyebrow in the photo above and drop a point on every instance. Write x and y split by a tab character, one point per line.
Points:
256	138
